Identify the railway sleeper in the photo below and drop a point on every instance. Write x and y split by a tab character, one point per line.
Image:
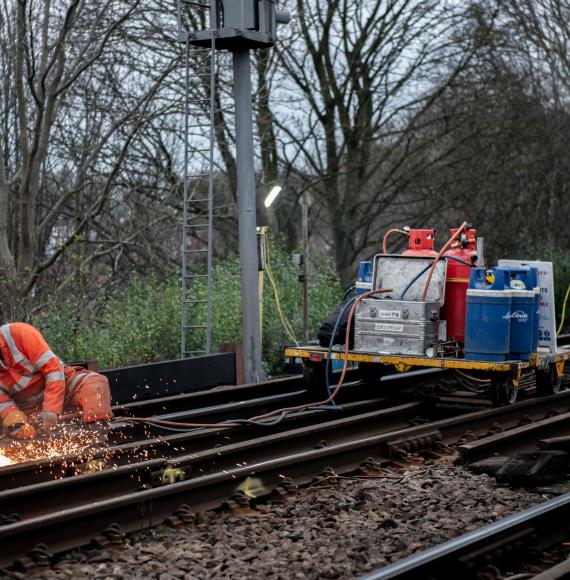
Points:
112	535
38	556
183	515
506	548
402	446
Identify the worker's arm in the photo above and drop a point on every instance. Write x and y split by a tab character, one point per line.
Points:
7	405
34	347
14	422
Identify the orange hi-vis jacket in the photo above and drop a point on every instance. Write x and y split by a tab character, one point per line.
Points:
30	374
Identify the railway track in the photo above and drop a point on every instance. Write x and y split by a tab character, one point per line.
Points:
144	494
127	444
504	541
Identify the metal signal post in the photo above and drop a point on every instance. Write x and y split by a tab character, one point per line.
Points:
239	26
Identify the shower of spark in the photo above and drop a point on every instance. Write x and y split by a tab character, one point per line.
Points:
68	441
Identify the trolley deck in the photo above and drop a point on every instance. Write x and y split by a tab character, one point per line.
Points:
505	375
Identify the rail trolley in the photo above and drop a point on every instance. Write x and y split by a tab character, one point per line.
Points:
500	379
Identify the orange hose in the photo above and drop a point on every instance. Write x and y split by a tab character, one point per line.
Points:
471	378
439	255
388	234
344	368
271	413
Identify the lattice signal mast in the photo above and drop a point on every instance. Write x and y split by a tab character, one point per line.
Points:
238	26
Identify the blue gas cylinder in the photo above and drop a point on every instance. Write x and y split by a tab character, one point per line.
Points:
483	279
524	322
532	285
364	282
487	321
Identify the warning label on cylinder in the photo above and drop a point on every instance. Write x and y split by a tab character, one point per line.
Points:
388	327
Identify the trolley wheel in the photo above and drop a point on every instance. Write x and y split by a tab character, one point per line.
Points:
547	381
370	373
314	376
505	392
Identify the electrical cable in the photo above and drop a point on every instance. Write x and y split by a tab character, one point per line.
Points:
347	292
474	379
331	343
414	280
422	272
284	412
469	387
286	325
564	304
332	396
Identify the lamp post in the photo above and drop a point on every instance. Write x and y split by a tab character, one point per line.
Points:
305	266
262	248
272	195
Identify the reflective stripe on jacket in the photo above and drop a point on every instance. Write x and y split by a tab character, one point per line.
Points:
29	371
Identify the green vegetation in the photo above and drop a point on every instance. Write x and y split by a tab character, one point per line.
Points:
140	323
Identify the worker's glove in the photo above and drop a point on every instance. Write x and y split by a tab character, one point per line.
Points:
47	419
16	426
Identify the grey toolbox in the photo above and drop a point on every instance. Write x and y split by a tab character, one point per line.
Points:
388	325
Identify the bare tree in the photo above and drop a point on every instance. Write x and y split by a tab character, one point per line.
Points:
357	80
506	121
72	104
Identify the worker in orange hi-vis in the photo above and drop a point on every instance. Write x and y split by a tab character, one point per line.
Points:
36	384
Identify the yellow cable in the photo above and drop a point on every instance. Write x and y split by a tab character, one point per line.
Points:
286	325
563	311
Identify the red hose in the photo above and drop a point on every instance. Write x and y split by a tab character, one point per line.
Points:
388	234
344	368
439	255
329	399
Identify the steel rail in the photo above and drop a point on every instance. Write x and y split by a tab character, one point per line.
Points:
29	473
149	443
35	500
71	527
350	390
456	558
523	438
210	397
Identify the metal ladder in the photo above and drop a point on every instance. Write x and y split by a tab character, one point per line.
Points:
197	220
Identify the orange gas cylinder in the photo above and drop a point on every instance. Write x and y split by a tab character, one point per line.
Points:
457	283
421	243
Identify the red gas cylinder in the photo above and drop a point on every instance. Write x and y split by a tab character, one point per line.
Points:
421	243
457	283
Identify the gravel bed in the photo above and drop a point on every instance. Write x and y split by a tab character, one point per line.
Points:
340	528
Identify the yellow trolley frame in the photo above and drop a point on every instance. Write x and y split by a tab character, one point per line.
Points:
507	374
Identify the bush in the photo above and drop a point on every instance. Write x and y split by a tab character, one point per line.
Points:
140	323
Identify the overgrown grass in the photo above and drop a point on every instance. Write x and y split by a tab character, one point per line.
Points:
141	322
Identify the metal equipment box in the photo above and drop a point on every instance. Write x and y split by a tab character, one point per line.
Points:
408	274
396	326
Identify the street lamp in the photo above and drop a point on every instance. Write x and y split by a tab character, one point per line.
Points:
272	195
